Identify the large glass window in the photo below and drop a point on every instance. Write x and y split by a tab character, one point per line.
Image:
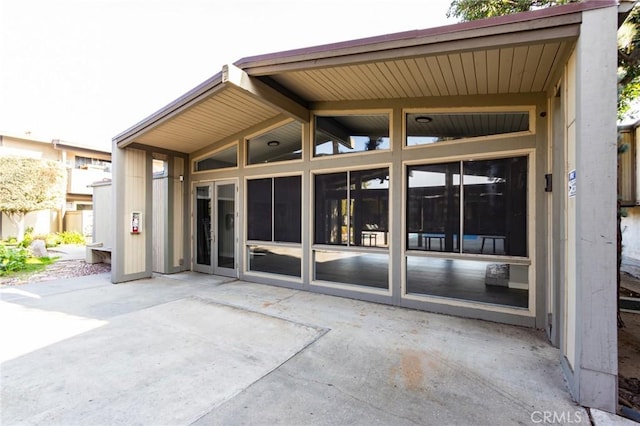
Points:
343	134
274	209
227	157
489	195
428	128
352	208
281	144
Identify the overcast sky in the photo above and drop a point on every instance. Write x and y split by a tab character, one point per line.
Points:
84	71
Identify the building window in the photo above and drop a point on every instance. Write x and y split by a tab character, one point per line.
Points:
352	208
280	144
274	209
222	159
484	201
429	128
91	163
343	134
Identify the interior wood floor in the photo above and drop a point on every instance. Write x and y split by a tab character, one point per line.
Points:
455	279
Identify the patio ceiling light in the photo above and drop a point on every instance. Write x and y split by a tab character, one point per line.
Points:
273	143
423	119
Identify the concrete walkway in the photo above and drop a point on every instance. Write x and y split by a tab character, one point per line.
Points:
195	349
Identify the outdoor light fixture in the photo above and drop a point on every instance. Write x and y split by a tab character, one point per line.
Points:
273	143
423	119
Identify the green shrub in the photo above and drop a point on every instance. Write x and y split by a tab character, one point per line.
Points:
71	237
52	240
12	259
26	241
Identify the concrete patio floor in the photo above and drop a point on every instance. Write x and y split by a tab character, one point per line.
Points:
191	348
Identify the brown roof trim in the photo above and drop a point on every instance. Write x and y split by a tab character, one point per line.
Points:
194	95
61	145
551	12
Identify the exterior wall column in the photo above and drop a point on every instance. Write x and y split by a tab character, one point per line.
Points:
176	210
131	257
592	332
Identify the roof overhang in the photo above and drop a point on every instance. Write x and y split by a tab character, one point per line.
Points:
512	54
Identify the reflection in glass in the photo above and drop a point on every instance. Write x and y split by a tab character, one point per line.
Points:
280	144
476	281
331	211
220	160
428	128
365	269
495	206
494	209
275	260
351	133
225	195
203	224
356	214
433	207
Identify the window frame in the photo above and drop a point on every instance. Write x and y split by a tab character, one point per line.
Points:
531	205
246	210
211	153
359	112
529	261
312	210
266	130
531	109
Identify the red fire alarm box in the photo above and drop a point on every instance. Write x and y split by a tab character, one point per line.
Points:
136	222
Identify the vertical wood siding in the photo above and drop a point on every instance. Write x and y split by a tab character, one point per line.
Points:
135	175
159	222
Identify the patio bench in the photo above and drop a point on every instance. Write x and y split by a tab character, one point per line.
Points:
97	253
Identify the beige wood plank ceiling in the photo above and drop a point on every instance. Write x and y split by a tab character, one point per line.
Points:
521	69
209	121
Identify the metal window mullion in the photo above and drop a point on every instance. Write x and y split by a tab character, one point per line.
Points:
461	213
348	208
273	210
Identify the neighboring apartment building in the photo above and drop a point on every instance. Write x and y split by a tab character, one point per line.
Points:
629	193
85	165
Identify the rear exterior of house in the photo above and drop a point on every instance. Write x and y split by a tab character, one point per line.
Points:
467	170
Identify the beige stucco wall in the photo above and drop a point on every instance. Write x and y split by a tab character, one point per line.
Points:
43	222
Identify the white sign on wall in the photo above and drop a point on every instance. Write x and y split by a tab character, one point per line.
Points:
572	184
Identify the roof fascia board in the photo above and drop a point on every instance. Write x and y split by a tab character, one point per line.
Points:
194	96
85	150
260	91
156	150
496	41
23	138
